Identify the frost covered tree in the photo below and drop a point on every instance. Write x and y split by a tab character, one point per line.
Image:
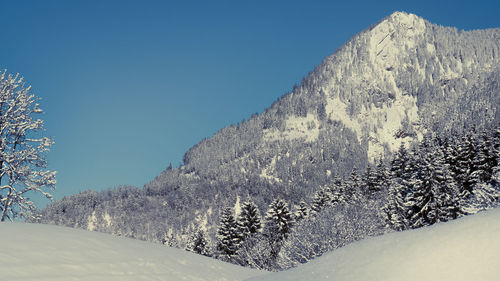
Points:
395	210
370	181
198	243
381	176
352	187
278	225
337	194
169	239
336	226
399	162
484	196
321	200
464	164
228	238
435	197
249	220
374	180
23	148
255	252
279	220
403	178
484	160
301	211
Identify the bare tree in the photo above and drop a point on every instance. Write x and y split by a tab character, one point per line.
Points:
23	167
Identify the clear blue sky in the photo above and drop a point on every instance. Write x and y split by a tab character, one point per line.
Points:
129	86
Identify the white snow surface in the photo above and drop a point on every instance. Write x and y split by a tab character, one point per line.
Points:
306	128
46	252
388	45
464	249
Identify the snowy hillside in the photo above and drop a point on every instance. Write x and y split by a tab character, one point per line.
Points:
399	81
465	249
45	252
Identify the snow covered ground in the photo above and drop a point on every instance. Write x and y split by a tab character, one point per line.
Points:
465	249
44	252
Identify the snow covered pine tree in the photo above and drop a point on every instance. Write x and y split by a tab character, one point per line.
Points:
278	225
249	220
301	211
198	243
23	168
228	238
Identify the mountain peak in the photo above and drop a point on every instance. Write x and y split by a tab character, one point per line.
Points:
403	20
403	17
392	37
400	24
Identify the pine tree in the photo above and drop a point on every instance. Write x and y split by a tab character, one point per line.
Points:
368	182
399	162
278	225
381	175
321	199
395	209
484	160
434	196
352	187
448	194
249	220
227	235
170	240
279	220
374	179
302	211
496	144
464	165
198	243
336	192
449	149
403	178
486	188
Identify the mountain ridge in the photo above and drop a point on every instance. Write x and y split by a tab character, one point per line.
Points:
406	105
386	86
353	107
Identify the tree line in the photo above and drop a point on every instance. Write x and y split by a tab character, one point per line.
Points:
436	180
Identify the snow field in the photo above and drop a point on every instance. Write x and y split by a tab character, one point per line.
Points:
45	252
467	249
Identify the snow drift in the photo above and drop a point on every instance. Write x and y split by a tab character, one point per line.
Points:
464	249
45	252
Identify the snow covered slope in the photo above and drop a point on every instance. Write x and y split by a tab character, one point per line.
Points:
45	252
465	249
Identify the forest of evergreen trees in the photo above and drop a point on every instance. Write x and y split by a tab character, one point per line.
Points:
437	180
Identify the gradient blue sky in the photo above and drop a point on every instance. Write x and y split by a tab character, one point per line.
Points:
129	86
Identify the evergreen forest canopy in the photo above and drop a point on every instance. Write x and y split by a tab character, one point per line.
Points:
398	129
438	180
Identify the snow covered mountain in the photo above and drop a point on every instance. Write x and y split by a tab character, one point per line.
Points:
465	249
390	84
387	85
